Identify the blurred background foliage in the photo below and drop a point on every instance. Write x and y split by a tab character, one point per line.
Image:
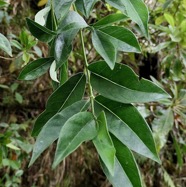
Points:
163	60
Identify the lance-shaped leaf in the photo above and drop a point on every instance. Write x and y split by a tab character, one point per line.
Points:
72	21
40	32
79	128
122	38
126	123
104	46
50	132
126	169
5	45
85	6
36	68
104	144
67	94
123	85
136	10
109	20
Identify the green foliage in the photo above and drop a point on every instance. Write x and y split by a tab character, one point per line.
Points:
13	150
108	117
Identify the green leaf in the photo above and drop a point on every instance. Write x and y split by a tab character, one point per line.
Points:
5	45
125	122
63	47
136	10
72	21
123	85
36	68
40	32
126	169
3	4
79	128
61	8
67	94
161	127
122	38
169	19
64	73
104	46
104	144
85	6
109	20
50	132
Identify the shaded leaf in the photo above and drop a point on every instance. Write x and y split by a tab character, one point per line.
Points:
53	127
122	38
35	69
79	128
5	45
109	20
123	85
104	46
85	6
40	32
125	122
136	10
72	21
104	144
126	169
68	93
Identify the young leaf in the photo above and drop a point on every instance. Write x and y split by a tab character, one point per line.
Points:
122	38
109	20
72	21
50	132
133	131
68	93
104	46
126	169
123	85
36	68
79	128
136	10
5	45
85	6
104	144
40	32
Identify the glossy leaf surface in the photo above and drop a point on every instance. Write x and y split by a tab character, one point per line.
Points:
35	68
123	85
104	46
63	46
126	123
79	128
104	144
122	38
40	32
109	20
72	21
136	10
53	127
68	93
